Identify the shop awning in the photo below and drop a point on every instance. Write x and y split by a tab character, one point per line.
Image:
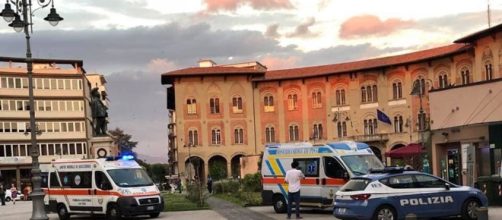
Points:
406	151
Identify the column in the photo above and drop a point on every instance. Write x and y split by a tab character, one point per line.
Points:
18	179
229	168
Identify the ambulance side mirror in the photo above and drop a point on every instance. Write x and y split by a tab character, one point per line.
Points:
447	186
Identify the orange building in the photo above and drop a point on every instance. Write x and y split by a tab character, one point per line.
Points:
224	112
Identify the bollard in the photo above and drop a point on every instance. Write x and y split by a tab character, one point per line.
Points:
482	213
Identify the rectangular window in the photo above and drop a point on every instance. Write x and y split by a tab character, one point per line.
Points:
64	127
15	150
70	127
60	84
79	148
77	127
2	150
309	166
18	83
4	82
62	106
5	105
54	84
6	127
51	149
14	126
49	127
69	106
72	149
58	149
48	106
38	83
43	151
26	105
75	105
8	150
25	83
12	105
57	127
67	84
10	82
74	84
20	105
1	127
55	106
41	105
65	148
47	84
23	152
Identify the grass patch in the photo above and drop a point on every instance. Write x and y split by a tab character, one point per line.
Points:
242	198
178	202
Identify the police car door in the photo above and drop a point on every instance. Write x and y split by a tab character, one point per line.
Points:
437	198
310	193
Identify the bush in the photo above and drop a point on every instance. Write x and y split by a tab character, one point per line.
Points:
226	186
218	170
196	194
251	198
252	183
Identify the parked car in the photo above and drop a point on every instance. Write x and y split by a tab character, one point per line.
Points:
398	193
8	196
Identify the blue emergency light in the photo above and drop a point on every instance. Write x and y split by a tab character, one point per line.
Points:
127	157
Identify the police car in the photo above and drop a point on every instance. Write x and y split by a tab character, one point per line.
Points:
395	193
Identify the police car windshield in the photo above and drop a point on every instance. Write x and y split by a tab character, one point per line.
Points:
360	164
130	177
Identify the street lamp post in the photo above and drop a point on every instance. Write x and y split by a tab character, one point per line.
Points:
419	87
24	9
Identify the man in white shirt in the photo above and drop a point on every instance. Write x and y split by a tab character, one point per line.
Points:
293	178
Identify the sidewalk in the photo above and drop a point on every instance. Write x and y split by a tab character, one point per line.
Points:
232	211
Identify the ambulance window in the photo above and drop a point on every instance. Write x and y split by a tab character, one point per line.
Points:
332	168
309	167
424	181
45	180
399	182
76	179
102	181
54	180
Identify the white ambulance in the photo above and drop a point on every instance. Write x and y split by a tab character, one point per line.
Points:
115	187
326	168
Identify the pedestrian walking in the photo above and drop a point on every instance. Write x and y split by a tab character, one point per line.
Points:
13	193
293	178
26	191
209	184
2	194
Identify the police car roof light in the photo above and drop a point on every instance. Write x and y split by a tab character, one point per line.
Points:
127	157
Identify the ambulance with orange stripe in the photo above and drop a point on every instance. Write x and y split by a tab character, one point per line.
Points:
326	168
115	187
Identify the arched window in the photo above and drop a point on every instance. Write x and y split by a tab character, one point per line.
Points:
488	71
316	100
294	133
363	94
421	83
443	80
397	90
317	135
193	137
369	94
238	136
340	97
214	104
237	104
375	93
466	76
398	124
270	134
215	136
292	102
191	106
370	126
268	101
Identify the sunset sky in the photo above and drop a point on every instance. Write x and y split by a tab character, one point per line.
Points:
132	42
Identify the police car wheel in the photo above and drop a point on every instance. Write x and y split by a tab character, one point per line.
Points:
279	204
385	213
113	213
63	213
469	209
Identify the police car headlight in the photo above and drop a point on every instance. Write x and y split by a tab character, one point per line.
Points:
125	191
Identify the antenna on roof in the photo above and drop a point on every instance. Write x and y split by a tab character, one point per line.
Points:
489	14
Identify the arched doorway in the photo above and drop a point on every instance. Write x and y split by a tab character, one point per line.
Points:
217	167
236	166
377	152
194	168
397	161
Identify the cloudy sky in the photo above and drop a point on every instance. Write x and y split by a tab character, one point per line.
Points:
132	42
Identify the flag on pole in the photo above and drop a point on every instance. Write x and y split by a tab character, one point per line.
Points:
383	117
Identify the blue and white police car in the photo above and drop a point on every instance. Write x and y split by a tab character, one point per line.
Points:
394	193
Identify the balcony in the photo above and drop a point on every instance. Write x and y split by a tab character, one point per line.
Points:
371	138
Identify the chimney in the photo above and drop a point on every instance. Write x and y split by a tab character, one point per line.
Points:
206	63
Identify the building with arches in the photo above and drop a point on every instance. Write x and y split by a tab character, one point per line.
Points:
324	103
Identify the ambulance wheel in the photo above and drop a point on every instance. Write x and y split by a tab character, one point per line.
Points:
154	215
113	212
469	209
385	212
280	205
63	212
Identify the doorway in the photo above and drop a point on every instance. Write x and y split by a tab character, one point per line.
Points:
453	166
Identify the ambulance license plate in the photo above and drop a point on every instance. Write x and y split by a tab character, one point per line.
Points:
150	208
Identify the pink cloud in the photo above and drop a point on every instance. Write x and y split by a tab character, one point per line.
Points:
274	63
370	25
232	5
159	65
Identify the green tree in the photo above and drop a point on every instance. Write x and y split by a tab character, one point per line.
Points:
218	170
123	140
158	172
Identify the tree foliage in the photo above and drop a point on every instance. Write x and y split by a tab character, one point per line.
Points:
218	170
123	140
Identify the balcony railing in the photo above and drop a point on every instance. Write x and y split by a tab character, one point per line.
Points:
371	138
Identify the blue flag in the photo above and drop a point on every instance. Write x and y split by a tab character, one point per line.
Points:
383	117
